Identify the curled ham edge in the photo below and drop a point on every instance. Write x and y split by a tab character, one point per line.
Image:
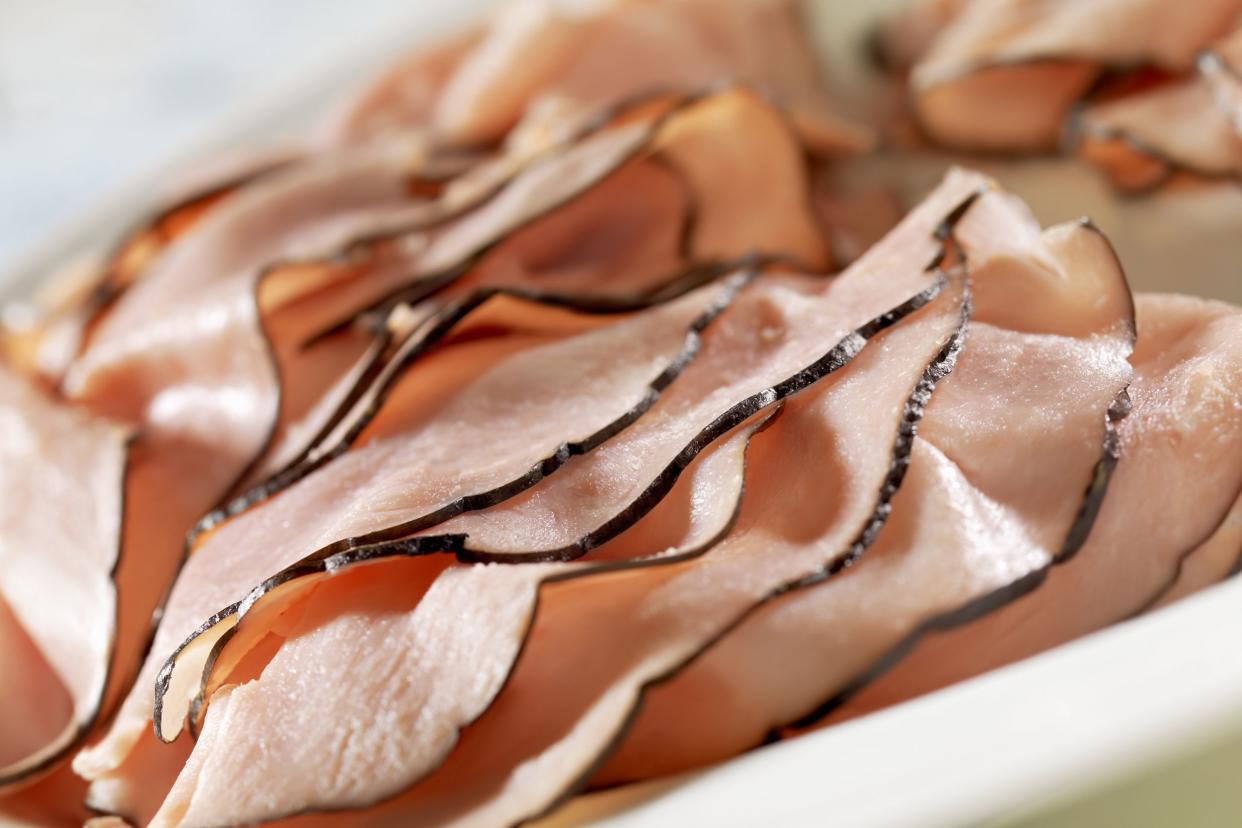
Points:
911	308
1047	78
95	454
76	306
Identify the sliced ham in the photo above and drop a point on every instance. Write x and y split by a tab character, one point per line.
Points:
420	605
775	331
1038	376
1002	76
1221	68
64	475
904	271
564	404
1182	443
539	68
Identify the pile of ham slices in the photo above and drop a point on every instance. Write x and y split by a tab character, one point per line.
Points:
546	422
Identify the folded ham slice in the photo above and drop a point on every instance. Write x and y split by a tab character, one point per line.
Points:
64	475
1141	139
1002	76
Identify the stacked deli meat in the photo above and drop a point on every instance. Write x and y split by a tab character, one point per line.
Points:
545	421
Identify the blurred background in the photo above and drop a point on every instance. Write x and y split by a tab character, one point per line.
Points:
93	93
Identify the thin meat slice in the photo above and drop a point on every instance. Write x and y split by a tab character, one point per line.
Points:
1141	139
963	526
1004	74
495	419
64	474
531	233
1181	444
432	681
415	477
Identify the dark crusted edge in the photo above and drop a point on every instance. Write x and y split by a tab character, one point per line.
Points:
453	543
18	773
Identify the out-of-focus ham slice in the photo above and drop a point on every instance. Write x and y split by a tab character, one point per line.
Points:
54	800
1141	139
1003	74
63	474
404	96
437	670
1039	371
68	308
1181	442
545	68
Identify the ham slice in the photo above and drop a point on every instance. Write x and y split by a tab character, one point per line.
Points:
70	308
1002	76
1221	68
1142	139
798	321
64	474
